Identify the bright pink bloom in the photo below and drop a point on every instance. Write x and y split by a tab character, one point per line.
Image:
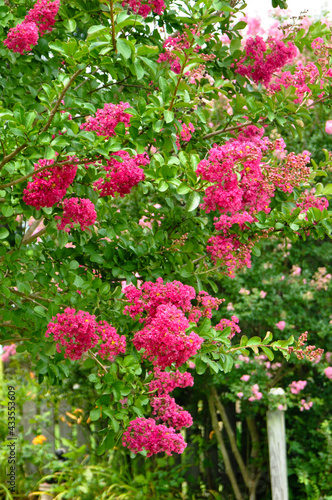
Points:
113	343
107	118
281	325
121	176
49	186
240	395
22	37
328	372
165	340
166	382
144	433
165	408
145	300
262	294
43	14
262	60
143	8
74	330
245	378
77	211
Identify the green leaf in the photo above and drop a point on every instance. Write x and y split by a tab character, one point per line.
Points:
193	201
183	188
268	353
169	116
69	24
95	414
123	47
7	210
3	233
254	341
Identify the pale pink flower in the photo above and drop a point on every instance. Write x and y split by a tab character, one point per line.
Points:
281	325
328	127
240	395
328	372
262	294
245	378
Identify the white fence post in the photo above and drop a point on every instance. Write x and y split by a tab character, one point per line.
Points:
277	451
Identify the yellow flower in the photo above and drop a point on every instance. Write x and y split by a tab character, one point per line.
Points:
39	439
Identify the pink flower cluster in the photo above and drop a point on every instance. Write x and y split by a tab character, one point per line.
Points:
166	382
107	118
122	176
50	185
164	338
305	405
8	350
145	300
43	14
327	371
40	18
185	134
113	344
233	324
144	8
307	201
241	185
145	434
302	76
291	172
256	395
166	409
77	211
262	59
296	387
78	331
173	44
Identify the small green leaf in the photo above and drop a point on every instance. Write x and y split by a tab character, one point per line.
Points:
3	233
169	116
69	24
193	201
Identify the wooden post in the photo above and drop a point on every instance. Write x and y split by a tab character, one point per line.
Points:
277	452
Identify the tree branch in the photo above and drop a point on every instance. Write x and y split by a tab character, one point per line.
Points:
231	437
223	449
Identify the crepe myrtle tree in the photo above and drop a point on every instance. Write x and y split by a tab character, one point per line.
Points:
136	165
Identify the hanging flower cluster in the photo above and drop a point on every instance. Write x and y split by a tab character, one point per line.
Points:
242	184
49	186
143	8
77	211
262	59
162	308
78	331
121	176
40	18
145	434
107	118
